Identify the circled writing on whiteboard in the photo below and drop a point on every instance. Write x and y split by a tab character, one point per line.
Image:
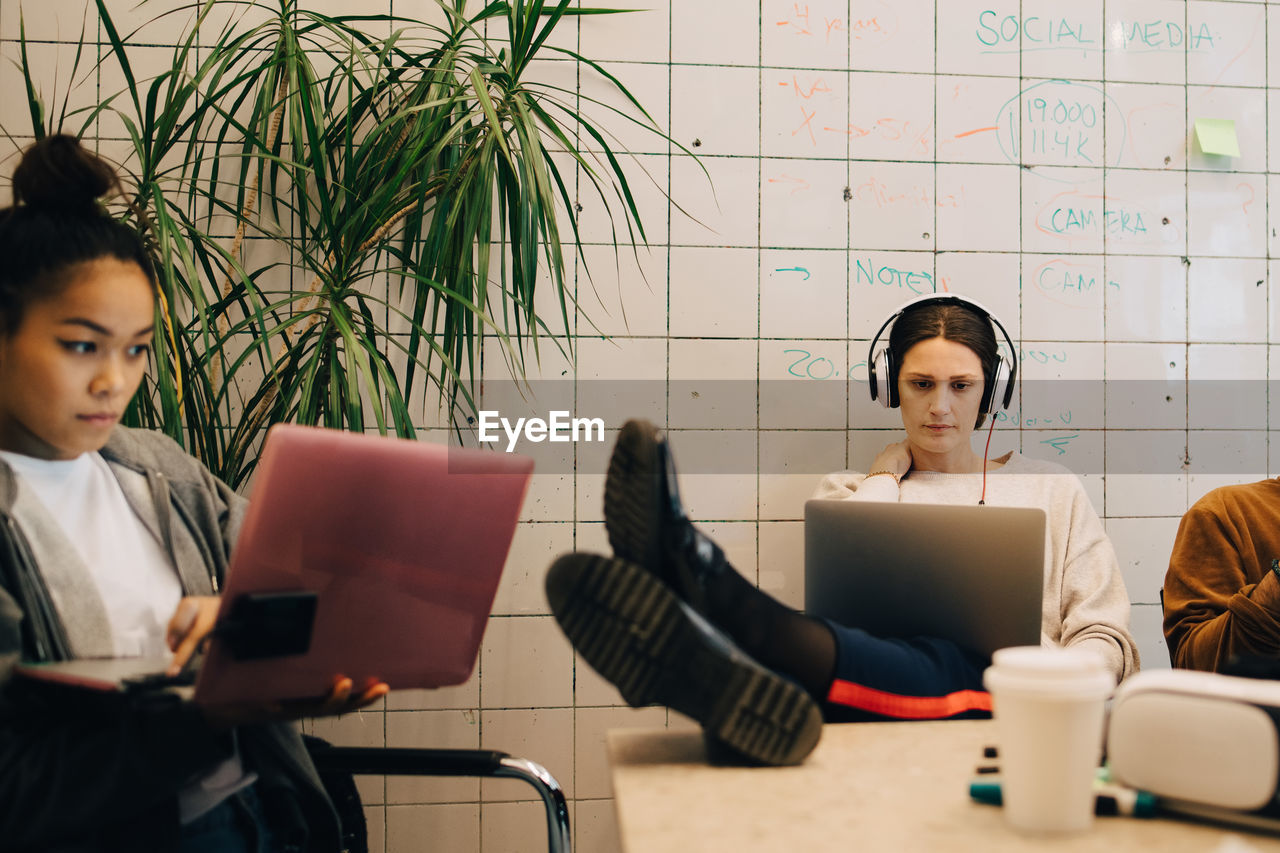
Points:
1060	123
1070	282
1076	215
1067	220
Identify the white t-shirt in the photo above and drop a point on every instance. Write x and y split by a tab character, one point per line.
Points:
134	576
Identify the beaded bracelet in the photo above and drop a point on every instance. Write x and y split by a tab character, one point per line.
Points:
896	480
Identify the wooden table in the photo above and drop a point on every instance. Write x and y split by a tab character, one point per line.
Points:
867	786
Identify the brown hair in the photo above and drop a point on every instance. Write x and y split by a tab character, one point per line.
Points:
56	223
952	321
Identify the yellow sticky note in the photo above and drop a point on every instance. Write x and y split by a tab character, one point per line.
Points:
1217	136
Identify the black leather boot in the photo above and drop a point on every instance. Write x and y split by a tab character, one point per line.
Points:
657	650
646	521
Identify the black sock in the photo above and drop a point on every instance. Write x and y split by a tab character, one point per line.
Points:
786	641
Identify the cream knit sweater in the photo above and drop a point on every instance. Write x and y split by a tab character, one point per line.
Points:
1085	602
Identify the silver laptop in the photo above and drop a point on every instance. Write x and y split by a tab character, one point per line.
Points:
971	574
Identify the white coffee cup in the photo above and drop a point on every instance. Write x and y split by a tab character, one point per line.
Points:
1048	705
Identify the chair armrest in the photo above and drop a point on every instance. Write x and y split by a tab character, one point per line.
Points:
409	761
375	761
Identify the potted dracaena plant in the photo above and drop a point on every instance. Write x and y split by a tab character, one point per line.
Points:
343	208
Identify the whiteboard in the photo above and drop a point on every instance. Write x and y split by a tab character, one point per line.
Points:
1037	155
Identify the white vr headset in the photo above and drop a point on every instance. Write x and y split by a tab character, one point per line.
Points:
1198	738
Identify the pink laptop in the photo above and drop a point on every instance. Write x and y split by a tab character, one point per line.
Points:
361	555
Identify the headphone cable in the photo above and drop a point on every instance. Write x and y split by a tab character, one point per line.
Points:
985	452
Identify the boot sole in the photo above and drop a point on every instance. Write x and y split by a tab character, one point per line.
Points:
632	490
637	634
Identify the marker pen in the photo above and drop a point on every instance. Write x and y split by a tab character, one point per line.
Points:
1108	799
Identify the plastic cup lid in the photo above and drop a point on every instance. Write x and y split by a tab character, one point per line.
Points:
1046	662
1049	671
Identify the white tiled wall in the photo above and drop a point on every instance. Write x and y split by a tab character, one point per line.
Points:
853	157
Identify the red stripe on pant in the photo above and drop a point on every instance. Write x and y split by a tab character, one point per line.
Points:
907	707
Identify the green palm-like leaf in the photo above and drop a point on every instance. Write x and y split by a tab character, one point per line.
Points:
288	172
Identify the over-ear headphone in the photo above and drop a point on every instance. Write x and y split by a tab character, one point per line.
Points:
997	383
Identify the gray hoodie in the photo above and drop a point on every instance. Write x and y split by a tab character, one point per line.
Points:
85	773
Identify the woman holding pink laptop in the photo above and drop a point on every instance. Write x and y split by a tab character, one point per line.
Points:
669	621
113	543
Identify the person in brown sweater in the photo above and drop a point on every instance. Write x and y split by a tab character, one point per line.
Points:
1222	590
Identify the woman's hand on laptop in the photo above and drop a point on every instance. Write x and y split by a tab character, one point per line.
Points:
342	699
192	621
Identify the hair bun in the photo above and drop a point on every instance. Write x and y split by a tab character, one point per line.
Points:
58	173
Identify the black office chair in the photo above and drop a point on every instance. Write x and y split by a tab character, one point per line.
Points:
338	764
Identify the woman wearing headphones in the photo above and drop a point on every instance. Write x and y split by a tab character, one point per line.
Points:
670	622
